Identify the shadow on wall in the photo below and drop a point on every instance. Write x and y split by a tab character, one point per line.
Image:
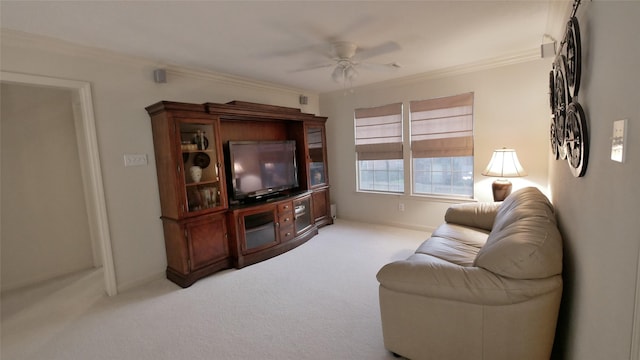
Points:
566	312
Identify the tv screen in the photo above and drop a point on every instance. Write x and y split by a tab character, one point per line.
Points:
261	168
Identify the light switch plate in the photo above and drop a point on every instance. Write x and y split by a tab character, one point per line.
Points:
135	159
619	140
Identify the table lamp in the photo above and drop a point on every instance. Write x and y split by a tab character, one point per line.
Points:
504	163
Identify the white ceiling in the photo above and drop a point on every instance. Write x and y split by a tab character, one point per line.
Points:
268	41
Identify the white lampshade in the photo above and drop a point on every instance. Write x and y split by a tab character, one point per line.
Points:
504	163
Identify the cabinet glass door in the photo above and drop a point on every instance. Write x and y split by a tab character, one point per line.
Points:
302	211
200	163
315	141
259	230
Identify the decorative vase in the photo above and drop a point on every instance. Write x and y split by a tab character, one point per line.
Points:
196	173
209	196
214	195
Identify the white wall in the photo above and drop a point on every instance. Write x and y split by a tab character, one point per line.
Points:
599	213
45	232
122	87
511	109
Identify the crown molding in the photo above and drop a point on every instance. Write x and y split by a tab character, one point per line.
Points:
497	62
233	79
22	39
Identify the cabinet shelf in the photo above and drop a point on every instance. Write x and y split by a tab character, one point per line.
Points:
202	207
197	151
207	182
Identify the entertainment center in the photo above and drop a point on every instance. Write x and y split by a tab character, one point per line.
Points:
239	183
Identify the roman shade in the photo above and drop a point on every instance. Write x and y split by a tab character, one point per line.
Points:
442	127
379	132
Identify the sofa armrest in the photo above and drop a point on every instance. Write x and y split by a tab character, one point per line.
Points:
429	276
478	215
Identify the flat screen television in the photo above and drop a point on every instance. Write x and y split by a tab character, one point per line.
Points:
259	169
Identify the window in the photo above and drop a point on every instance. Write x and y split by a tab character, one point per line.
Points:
378	138
442	145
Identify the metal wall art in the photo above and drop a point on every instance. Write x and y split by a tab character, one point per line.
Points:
568	134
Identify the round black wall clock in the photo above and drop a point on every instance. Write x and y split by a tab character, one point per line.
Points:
568	133
574	57
552	102
562	98
553	139
552	90
577	139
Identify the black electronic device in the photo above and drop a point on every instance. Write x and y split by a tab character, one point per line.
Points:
260	169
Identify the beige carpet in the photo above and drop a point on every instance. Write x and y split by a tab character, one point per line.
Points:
319	301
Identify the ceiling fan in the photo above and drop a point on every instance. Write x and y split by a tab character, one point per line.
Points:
346	56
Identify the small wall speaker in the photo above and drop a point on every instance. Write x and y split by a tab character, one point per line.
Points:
160	76
304	100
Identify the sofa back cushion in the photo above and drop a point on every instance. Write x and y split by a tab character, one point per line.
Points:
476	215
525	242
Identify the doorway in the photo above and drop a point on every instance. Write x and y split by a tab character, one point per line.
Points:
89	163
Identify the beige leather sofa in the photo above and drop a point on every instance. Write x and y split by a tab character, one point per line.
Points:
487	284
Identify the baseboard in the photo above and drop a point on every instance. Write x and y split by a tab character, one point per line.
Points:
428	229
635	332
124	286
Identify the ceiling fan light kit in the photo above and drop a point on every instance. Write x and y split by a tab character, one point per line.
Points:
344	71
347	56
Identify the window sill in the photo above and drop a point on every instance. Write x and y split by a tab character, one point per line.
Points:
450	199
453	199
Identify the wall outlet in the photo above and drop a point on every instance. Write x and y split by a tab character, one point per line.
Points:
400	206
135	160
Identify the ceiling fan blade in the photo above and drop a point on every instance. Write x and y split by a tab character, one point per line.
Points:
389	46
313	67
379	67
293	52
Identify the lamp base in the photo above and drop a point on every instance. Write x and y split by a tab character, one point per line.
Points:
501	189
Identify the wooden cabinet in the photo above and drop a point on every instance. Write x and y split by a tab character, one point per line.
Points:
256	228
204	231
259	232
316	155
321	207
302	213
286	218
318	180
196	247
189	157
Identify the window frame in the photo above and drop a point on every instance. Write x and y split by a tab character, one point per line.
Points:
458	140
388	147
408	170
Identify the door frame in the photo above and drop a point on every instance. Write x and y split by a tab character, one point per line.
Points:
90	168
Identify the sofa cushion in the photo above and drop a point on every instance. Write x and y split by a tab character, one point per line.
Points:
426	275
524	203
477	215
525	242
454	243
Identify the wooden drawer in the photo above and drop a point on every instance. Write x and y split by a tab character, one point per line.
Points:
287	233
285	207
285	219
